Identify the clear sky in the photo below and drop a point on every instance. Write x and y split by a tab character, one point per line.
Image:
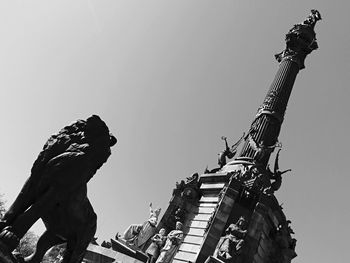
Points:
170	78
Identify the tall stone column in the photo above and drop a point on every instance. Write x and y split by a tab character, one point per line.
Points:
262	137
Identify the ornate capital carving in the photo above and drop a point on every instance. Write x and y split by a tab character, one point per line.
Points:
300	40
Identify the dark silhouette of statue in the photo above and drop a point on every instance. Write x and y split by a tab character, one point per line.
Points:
312	18
261	150
56	191
189	189
229	152
231	244
276	175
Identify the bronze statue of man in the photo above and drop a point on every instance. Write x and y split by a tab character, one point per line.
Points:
231	244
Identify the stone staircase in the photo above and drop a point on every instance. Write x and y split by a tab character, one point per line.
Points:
199	216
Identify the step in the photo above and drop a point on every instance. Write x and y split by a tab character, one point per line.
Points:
198	224
201	210
200	217
179	261
193	239
209	199
205	210
185	256
216	186
194	232
213	178
211	189
209	193
192	248
207	205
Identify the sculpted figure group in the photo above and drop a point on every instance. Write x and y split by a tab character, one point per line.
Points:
172	244
163	247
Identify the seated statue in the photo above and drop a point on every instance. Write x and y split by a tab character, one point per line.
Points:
231	244
136	235
56	191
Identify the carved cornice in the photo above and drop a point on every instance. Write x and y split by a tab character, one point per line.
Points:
300	40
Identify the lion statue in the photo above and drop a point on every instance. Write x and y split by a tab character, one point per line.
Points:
56	191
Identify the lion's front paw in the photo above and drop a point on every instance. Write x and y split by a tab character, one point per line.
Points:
9	238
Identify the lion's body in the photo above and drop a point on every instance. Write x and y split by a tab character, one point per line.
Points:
56	191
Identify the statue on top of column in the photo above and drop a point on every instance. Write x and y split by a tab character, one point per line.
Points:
312	18
301	40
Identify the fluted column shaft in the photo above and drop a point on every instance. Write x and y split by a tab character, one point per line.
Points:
267	124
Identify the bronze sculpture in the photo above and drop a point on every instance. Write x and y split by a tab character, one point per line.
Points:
56	191
229	152
276	175
231	244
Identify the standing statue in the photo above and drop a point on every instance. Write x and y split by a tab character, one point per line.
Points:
136	235
231	244
312	18
172	244
275	176
158	241
56	191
